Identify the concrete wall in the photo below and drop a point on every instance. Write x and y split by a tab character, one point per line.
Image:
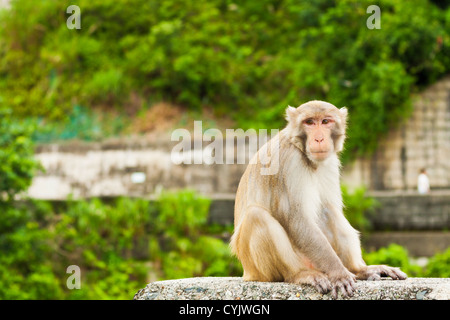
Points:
422	141
107	169
410	211
102	170
397	212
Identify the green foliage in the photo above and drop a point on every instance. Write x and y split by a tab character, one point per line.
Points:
188	250
248	59
25	272
357	207
439	265
17	164
181	213
81	123
216	259
116	244
396	256
39	245
111	242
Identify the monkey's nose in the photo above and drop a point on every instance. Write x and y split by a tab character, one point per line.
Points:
319	140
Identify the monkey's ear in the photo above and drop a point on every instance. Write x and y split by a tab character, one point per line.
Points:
344	113
290	113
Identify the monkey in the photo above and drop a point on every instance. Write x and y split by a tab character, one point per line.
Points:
290	225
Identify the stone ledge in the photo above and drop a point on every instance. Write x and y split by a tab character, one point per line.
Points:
234	288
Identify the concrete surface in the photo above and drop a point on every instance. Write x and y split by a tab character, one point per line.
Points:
234	288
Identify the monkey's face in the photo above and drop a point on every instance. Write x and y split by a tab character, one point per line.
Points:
319	143
317	128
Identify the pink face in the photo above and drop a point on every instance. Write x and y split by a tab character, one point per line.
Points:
319	143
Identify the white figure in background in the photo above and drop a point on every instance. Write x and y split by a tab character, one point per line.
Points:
423	183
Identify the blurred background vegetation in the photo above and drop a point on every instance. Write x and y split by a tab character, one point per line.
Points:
243	61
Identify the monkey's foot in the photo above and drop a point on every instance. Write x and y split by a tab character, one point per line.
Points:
376	272
311	277
343	283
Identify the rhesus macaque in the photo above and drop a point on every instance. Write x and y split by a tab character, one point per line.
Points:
289	226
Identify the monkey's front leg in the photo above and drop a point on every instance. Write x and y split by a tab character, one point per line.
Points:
349	250
311	241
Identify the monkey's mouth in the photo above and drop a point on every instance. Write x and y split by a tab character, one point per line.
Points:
319	155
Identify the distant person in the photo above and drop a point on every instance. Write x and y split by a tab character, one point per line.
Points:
423	183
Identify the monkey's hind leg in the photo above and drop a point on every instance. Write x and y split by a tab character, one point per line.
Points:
267	254
263	247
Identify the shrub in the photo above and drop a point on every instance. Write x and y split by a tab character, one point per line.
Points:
17	164
357	207
188	249
395	256
439	265
116	243
181	213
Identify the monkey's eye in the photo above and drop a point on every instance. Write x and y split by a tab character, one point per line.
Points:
309	122
326	121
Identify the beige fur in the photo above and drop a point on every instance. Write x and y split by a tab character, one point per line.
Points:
290	226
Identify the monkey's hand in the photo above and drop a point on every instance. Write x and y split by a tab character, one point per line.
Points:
376	272
344	282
